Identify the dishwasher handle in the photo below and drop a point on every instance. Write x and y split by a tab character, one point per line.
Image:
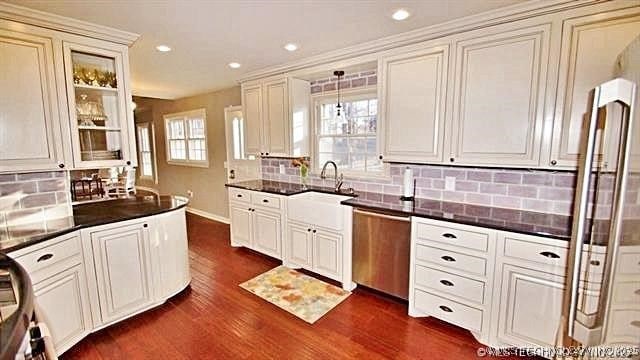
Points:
384	216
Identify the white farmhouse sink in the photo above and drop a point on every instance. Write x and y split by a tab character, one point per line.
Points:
317	209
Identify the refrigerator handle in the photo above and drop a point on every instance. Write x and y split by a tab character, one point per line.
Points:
621	91
580	210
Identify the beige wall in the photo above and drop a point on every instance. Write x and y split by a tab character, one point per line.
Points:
207	184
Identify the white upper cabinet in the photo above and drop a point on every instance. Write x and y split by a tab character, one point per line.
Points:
30	133
276	113
252	111
499	94
276	118
591	45
413	97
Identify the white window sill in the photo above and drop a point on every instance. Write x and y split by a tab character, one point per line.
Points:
200	164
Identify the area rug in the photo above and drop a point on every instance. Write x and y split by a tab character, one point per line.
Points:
301	295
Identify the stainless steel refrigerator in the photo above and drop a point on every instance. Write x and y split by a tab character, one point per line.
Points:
602	308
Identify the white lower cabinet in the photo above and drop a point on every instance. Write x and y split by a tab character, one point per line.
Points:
62	304
531	307
89	279
300	245
256	221
123	270
327	254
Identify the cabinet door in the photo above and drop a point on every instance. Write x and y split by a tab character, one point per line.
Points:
530	307
240	219
174	252
123	272
414	89
276	118
591	45
62	302
99	106
499	96
299	245
252	110
267	233
30	135
327	254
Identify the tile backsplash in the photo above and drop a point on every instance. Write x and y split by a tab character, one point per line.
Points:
33	203
522	189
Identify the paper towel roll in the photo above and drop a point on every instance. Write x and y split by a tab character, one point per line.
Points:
407	183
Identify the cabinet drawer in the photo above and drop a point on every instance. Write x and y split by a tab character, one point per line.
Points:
50	255
629	263
239	195
447	310
456	285
625	324
451	259
261	199
468	239
536	252
627	292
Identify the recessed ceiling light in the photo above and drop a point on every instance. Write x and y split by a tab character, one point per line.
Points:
163	48
400	14
291	47
234	65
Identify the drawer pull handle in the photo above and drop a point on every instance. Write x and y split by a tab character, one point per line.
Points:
448	258
308	229
595	262
239	195
44	257
445	309
449	236
550	255
265	200
637	292
635	323
446	283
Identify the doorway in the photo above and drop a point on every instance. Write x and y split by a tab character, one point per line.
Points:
240	165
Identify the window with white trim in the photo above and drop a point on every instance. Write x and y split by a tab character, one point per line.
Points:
351	138
145	155
186	137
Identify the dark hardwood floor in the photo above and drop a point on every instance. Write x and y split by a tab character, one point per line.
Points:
215	319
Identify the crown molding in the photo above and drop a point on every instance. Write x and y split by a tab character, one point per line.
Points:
490	18
65	24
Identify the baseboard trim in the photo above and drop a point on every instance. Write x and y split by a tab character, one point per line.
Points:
208	215
144	188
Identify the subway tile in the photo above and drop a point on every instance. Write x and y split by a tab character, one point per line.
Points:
564	180
57	212
458	174
507	178
25	216
475	210
452	207
423	183
537	205
51	185
491	188
28	187
506	202
24	230
561	222
7	177
522	191
427	172
38	200
10	202
538	179
536	218
453	196
437	184
34	176
374	187
392	189
505	214
557	194
429	194
476	175
468	186
479	199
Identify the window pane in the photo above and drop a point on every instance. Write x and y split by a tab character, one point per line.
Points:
237	130
147	169
197	150
176	129
196	128
177	149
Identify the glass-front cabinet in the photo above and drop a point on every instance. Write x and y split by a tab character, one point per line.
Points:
99	107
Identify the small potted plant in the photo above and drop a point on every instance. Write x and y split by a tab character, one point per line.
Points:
303	164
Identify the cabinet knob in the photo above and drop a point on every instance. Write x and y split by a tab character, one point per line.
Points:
449	236
380	157
550	255
446	283
595	262
239	195
265	200
61	166
266	154
128	162
448	258
314	231
308	229
452	159
445	308
554	162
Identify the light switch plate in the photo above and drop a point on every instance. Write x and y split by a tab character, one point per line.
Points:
450	183
282	170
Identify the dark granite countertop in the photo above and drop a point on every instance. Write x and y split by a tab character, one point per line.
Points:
97	213
284	188
14	326
526	222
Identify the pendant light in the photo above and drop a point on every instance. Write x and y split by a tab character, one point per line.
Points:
339	74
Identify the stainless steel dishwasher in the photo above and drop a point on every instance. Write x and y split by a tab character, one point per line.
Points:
381	245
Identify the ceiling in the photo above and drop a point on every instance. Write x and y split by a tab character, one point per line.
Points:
207	35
